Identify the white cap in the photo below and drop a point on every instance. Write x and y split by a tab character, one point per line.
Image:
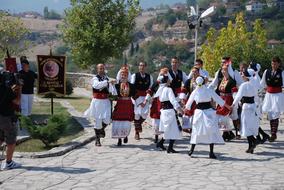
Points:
199	81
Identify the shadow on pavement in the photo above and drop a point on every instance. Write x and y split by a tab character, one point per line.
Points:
68	170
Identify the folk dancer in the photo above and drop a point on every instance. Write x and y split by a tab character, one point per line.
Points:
168	120
189	86
205	128
273	104
226	80
142	82
123	113
247	94
100	107
256	67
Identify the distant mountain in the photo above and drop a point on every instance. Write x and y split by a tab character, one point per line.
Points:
16	6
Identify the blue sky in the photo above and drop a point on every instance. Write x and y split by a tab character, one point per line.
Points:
15	6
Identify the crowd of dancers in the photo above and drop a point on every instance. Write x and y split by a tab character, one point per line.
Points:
176	102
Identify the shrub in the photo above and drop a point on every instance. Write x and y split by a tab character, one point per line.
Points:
69	87
48	133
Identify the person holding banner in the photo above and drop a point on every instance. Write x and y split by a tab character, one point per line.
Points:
100	107
27	96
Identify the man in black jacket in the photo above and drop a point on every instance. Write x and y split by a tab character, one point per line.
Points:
9	96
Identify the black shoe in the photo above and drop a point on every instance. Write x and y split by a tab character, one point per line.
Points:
190	153
156	139
103	133
119	143
231	136
98	143
250	150
125	140
272	138
161	146
212	156
264	139
171	151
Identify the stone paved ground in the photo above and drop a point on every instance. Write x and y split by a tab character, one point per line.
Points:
138	165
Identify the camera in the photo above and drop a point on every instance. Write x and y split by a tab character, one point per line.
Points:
9	79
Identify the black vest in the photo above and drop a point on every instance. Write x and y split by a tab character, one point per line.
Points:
274	80
104	90
231	83
142	83
177	79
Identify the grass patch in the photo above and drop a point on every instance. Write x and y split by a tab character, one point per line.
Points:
41	111
81	104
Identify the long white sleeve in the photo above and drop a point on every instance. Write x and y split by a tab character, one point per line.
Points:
238	78
216	98
132	81
172	98
239	95
214	83
184	77
99	84
151	81
263	80
190	100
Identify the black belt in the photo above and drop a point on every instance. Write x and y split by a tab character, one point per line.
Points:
203	105
248	100
166	105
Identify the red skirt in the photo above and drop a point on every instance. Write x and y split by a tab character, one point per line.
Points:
155	109
223	110
191	111
123	110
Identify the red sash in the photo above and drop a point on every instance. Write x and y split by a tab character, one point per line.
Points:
99	95
272	89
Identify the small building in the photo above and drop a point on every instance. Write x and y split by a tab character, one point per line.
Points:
255	6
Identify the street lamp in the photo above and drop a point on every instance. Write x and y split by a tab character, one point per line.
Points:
194	21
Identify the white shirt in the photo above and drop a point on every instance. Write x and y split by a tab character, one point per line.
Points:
203	94
263	80
99	85
133	77
236	76
248	89
202	73
167	94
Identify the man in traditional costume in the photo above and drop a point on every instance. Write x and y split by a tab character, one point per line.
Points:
247	93
202	72
178	78
226	80
123	113
256	68
168	119
142	82
273	104
188	88
205	128
100	107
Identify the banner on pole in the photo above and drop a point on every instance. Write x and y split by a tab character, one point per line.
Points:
11	65
51	74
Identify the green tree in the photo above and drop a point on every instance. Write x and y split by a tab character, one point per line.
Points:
12	35
237	42
97	30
